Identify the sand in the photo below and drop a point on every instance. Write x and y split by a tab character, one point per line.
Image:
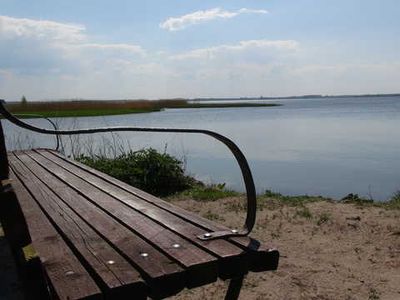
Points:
328	251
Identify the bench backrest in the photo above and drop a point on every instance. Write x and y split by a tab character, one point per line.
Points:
3	156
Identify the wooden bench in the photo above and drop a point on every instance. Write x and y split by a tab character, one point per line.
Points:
97	237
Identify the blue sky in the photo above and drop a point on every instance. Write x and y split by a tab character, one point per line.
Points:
161	49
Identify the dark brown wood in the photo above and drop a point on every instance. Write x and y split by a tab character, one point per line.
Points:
201	266
199	263
164	277
262	257
67	276
4	173
114	274
102	219
232	259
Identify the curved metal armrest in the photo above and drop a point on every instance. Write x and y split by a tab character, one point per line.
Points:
240	158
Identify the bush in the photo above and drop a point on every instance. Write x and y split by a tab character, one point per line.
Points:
210	192
354	198
156	173
394	202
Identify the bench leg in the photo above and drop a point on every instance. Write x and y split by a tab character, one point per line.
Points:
235	285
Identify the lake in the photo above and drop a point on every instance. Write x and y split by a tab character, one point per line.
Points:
319	146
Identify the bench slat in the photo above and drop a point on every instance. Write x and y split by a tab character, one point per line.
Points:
262	256
117	277
232	259
68	277
165	277
200	266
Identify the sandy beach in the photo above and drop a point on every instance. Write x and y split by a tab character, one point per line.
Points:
328	250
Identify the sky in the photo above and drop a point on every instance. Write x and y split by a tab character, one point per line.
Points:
96	49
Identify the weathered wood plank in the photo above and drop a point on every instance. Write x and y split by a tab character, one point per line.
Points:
201	266
67	276
232	259
262	257
164	277
116	276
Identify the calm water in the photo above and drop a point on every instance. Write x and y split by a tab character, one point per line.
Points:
328	147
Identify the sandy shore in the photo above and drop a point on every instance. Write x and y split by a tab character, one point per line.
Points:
328	250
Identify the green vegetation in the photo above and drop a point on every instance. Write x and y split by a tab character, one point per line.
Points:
90	108
213	216
209	192
373	294
323	218
111	107
272	199
23	101
393	203
304	212
157	173
354	198
85	113
292	200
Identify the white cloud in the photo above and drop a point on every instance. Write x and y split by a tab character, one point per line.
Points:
127	47
40	29
201	16
242	46
28	43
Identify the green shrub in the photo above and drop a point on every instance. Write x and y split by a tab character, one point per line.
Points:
210	192
156	173
324	218
293	200
394	202
304	213
271	194
354	198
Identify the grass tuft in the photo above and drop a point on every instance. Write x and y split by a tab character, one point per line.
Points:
324	218
304	212
209	192
394	202
293	200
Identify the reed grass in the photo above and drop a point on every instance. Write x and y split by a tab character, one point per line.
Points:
80	108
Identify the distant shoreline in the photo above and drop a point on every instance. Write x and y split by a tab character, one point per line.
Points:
310	96
87	108
295	97
84	108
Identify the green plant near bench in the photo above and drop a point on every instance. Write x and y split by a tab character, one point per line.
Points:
147	169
